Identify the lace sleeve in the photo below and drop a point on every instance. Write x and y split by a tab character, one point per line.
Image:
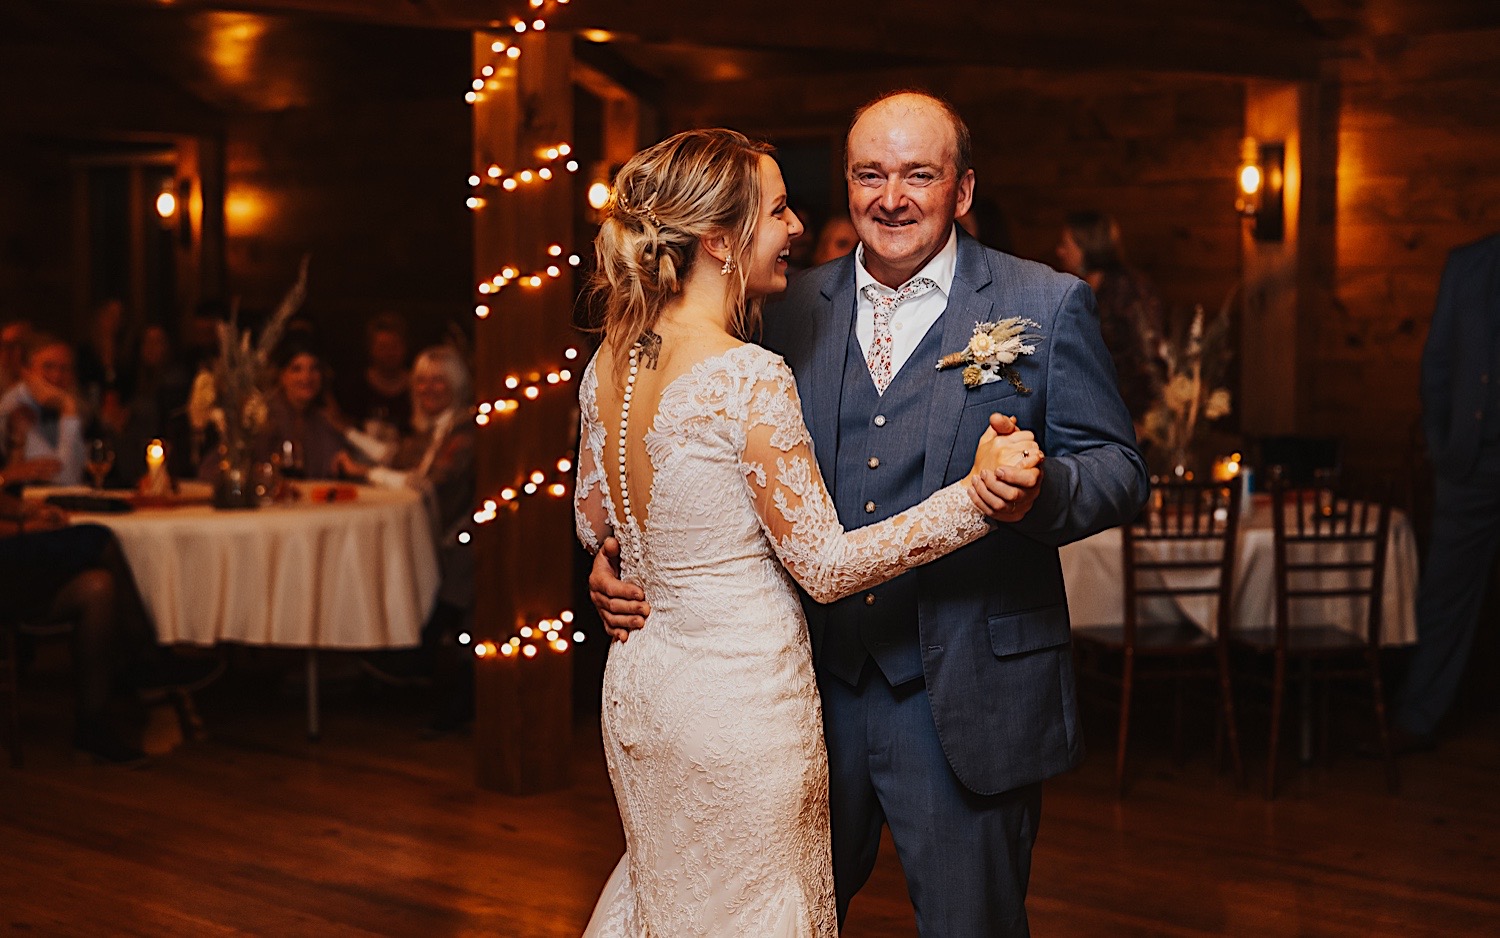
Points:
798	515
590	512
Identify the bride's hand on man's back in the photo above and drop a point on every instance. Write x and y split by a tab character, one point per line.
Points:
622	605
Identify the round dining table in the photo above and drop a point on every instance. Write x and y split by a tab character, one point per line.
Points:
359	572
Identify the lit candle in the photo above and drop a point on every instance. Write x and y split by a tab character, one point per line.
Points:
156	482
156	456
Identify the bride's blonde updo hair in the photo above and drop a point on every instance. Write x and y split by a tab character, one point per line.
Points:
693	185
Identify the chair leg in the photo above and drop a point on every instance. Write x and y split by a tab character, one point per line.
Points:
1392	780
1226	697
1127	681
1278	691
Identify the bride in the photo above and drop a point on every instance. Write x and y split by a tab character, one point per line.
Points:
693	453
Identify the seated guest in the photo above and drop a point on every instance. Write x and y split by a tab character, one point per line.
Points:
836	239
297	427
1130	309
100	366
377	398
52	571
158	387
14	335
437	459
40	415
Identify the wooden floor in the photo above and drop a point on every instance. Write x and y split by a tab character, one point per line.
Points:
372	831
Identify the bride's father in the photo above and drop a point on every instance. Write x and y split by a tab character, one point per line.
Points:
948	693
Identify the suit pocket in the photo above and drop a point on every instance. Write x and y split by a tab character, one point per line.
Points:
987	394
1016	633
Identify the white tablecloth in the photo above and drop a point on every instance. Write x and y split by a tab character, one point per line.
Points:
356	574
1093	570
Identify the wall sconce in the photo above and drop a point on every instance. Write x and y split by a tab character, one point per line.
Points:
1261	176
166	204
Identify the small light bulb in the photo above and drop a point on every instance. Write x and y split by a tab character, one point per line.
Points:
485	287
537	476
481	311
566	615
497	47
489	504
538	25
535	281
507	650
513	52
544	173
509	184
508	494
474	180
474	202
464	638
525	631
552	153
531	393
574	260
529	488
570	353
509	273
529	651
482	420
520	27
558	490
494	171
554	271
463	537
470	97
553	377
577	637
564	465
571	166
526	175
563	149
486	407
487	71
565	374
477	84
511	381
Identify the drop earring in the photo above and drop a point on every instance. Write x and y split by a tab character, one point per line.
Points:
728	266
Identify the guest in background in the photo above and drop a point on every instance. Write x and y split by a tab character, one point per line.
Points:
40	415
1130	309
836	238
53	572
297	426
158	389
436	459
1461	418
987	224
13	338
377	399
100	364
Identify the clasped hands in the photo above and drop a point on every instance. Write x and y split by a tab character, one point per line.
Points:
1007	473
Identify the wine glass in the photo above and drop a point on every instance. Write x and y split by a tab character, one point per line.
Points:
101	459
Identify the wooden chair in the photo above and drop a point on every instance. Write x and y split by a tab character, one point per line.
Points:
1181	546
1328	547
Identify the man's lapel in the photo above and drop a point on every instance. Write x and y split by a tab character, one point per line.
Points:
823	395
969	302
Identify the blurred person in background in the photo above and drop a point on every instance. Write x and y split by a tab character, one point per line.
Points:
377	398
158	388
100	363
836	238
13	337
57	574
41	418
436	459
298	426
1130	309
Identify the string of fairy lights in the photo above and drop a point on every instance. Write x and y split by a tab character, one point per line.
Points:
489	182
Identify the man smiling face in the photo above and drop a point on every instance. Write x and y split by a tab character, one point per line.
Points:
905	184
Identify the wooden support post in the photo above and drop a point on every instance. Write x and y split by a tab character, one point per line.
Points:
523	715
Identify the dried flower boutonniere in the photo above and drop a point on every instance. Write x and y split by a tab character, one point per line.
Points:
992	352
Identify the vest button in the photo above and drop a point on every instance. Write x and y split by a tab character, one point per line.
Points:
880	420
869	508
874	462
869	599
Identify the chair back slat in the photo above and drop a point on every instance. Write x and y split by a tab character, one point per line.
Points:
1329	544
1182	545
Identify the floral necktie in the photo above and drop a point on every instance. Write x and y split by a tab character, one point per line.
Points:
886	302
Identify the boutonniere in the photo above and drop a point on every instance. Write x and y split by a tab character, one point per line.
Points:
992	352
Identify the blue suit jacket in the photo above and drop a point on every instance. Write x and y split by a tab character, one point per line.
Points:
1458	361
993	618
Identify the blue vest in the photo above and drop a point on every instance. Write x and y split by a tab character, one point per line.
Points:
881	448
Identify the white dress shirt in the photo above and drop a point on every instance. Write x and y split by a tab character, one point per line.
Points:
912	319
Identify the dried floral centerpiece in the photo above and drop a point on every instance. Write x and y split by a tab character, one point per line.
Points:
1197	358
232	396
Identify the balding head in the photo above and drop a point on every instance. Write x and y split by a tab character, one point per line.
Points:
909	104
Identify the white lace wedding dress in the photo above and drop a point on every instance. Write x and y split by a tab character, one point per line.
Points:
712	726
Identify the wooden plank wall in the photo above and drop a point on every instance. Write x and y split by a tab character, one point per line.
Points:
1418	175
1157	151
